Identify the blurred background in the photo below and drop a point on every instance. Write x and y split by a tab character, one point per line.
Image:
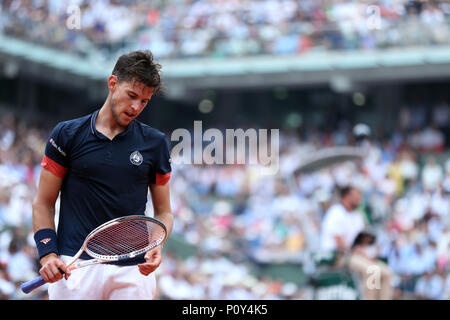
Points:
313	69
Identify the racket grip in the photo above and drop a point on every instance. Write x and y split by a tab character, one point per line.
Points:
29	286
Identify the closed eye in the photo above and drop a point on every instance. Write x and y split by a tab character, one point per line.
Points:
135	96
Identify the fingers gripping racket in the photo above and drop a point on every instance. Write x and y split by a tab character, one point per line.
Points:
116	240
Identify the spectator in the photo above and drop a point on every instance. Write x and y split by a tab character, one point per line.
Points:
341	223
430	286
375	275
446	294
343	230
432	175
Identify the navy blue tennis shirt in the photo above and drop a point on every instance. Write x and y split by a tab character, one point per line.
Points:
103	179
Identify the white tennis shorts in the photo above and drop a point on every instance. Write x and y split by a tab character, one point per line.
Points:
104	282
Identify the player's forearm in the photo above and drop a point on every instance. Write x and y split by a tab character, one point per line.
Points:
167	219
43	216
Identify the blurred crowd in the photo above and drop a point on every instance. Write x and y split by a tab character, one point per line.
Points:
225	28
239	219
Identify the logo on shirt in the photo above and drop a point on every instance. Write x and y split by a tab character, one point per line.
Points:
57	147
46	240
136	158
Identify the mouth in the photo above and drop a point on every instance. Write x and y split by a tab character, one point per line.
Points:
129	115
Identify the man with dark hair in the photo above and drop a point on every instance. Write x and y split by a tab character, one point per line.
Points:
104	164
341	223
343	231
139	66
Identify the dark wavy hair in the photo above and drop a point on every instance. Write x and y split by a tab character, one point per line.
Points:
139	66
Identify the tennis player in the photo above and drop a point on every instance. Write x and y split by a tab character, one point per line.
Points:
103	165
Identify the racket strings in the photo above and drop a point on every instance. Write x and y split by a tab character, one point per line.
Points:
125	237
121	240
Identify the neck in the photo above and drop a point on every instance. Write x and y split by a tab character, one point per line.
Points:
105	122
347	206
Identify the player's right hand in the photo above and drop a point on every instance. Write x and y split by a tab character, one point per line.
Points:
53	268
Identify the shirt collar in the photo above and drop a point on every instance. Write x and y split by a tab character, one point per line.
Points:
97	133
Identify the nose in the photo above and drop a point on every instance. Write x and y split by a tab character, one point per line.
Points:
135	106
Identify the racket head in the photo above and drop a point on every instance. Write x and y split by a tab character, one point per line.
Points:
124	238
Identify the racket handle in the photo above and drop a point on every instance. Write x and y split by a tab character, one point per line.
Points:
29	286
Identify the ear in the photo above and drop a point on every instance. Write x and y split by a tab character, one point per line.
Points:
112	82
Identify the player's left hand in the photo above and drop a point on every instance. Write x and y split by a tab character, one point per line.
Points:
152	261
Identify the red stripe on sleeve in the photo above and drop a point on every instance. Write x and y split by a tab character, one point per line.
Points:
54	167
161	179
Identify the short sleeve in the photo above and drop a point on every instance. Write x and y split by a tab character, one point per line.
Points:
56	158
161	172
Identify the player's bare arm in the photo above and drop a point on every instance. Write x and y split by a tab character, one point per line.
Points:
43	218
161	205
162	211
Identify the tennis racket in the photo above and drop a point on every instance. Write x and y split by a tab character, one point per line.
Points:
116	240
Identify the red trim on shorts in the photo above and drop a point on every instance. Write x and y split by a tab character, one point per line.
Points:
161	179
54	167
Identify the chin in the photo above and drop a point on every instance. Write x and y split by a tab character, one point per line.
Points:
124	123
